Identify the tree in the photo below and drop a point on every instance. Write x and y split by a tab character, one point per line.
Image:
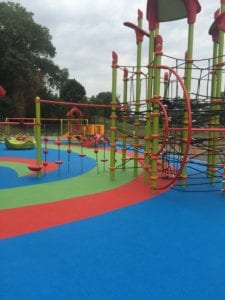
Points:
26	66
105	98
94	112
73	91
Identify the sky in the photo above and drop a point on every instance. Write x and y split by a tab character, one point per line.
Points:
85	32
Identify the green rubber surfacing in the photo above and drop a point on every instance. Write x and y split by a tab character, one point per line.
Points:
20	168
89	183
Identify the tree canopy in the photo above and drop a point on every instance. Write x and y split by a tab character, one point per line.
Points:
26	65
27	69
25	48
73	91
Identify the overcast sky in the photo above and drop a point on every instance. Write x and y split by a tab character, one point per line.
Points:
85	32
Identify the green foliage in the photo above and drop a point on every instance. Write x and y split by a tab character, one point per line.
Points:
95	112
73	91
102	98
27	70
105	98
26	66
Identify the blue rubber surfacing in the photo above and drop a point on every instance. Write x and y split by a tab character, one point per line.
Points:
71	167
170	247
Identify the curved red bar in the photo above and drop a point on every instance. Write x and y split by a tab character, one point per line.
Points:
188	128
140	33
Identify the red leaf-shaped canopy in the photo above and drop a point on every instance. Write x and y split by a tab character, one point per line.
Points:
164	10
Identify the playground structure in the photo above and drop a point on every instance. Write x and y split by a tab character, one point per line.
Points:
184	127
78	127
19	133
142	245
181	112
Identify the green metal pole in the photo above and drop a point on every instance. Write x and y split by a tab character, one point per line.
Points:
217	101
212	121
188	65
113	127
34	129
138	97
221	53
155	115
149	105
124	135
187	81
38	134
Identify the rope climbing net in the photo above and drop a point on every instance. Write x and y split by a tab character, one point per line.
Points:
190	133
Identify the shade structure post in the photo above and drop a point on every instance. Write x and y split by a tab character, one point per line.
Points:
140	33
216	101
192	8
212	120
187	81
163	11
215	39
147	147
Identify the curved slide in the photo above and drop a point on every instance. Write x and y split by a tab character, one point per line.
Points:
90	142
